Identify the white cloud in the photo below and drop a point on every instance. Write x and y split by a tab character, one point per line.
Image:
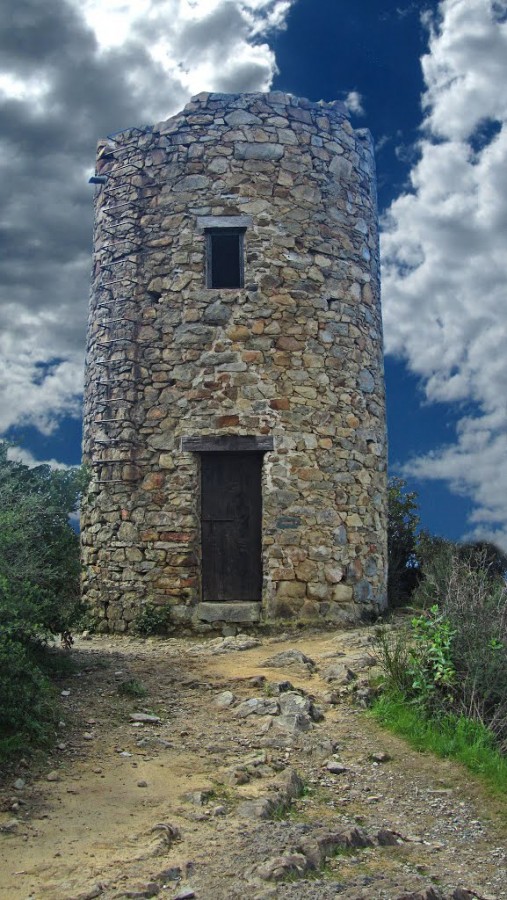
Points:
18	454
72	71
199	44
465	69
354	103
445	258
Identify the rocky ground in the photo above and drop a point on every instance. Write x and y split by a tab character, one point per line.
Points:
245	771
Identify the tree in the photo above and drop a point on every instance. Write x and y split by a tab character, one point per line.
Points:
485	556
39	589
439	557
403	520
39	550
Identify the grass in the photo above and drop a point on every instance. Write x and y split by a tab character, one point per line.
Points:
282	811
132	687
454	737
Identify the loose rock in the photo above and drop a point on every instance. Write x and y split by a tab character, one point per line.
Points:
290	659
145	718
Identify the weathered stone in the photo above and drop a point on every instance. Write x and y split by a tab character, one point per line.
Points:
342	593
191	183
217	314
218	166
293	723
334	574
388	838
335	767
366	381
339	673
324	844
341	167
282	867
291	702
242	117
128	532
185	893
257	706
144	718
193	335
362	591
228	612
258	151
290	658
294	589
256	809
290	785
225	699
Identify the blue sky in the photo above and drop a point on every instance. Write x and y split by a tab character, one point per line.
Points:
427	78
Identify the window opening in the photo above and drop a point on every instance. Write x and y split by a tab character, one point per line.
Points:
225	258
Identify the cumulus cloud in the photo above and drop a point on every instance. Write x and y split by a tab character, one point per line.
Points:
444	254
354	103
17	454
72	71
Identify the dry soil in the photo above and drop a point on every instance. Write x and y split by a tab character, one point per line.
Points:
140	809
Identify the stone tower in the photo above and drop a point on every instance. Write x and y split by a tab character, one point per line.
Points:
234	406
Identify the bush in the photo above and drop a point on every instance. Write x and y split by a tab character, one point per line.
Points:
153	619
475	604
431	668
39	587
418	661
132	687
39	550
402	523
438	558
453	657
27	704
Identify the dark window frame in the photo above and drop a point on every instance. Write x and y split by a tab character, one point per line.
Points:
210	233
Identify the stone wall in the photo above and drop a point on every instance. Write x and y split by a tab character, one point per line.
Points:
296	355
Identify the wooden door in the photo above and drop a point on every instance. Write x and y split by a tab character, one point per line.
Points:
231	522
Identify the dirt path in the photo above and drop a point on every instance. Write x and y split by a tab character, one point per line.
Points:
142	809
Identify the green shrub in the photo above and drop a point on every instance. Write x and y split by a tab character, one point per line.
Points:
132	687
402	523
28	710
418	661
453	657
153	620
393	649
39	550
473	598
39	591
431	667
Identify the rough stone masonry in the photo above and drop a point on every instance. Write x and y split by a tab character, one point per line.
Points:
234	405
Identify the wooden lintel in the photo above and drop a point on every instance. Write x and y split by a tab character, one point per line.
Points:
227	443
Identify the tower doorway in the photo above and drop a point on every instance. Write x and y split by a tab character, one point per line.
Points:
231	526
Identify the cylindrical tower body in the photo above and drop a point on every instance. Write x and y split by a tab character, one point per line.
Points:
234	410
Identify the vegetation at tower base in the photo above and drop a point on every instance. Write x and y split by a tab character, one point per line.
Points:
39	590
402	524
414	553
445	673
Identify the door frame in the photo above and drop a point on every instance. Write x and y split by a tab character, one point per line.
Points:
226	443
231	527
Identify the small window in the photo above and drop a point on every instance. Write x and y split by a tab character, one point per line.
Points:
224	258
